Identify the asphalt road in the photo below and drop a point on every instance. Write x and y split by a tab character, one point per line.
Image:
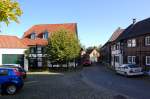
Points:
101	77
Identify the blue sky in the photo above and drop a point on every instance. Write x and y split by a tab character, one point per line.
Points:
96	19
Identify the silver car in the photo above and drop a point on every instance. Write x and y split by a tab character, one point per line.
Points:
129	70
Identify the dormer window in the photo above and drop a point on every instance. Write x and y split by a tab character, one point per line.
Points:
33	36
45	35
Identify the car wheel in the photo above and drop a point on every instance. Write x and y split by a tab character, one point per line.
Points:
116	72
125	73
11	89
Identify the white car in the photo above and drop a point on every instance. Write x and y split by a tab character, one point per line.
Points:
129	70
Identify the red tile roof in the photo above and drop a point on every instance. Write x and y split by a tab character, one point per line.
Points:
11	42
116	34
37	41
50	28
38	29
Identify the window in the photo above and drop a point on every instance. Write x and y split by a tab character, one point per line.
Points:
117	46
39	49
45	35
117	59
147	40
3	72
147	60
131	60
32	36
113	47
32	49
131	43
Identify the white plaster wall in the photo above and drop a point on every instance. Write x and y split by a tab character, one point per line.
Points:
116	52
120	61
10	51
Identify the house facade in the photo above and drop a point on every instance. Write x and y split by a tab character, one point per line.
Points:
12	51
131	45
110	52
136	44
116	52
94	56
36	38
106	54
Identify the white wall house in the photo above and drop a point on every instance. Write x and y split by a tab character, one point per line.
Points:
116	55
94	55
12	51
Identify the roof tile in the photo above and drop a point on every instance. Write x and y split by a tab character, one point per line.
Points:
50	28
11	42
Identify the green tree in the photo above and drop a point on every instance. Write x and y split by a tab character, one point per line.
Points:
63	46
9	11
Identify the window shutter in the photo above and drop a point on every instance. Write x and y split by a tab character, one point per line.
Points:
125	59
144	60
137	42
137	60
144	41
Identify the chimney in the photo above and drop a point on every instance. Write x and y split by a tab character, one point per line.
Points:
134	20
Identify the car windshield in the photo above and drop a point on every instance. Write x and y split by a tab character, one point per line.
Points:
133	66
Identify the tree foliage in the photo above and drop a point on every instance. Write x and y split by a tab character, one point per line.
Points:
62	46
9	11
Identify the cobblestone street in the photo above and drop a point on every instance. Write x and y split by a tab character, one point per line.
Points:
60	86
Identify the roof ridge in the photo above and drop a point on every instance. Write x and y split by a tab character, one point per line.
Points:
55	24
8	35
116	34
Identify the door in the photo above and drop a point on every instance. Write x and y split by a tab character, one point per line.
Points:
13	59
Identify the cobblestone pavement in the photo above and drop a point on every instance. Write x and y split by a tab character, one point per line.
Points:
100	77
62	86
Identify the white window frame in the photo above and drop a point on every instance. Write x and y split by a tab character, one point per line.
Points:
45	35
131	43
33	36
133	60
39	49
129	62
147	60
113	47
147	40
117	59
118	46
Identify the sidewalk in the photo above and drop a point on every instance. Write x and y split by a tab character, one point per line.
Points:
45	72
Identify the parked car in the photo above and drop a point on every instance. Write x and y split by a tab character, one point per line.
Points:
10	81
129	70
17	65
20	69
86	62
